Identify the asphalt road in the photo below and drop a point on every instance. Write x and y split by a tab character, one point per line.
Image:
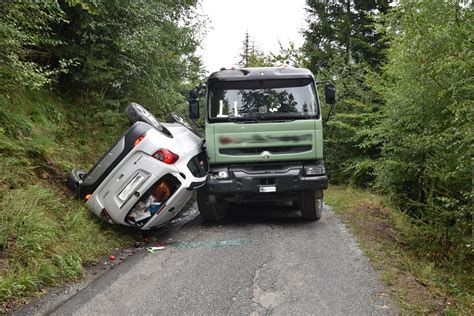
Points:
260	261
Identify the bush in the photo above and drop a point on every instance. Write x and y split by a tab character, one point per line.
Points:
428	88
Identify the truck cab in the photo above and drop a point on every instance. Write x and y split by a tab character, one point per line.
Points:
264	139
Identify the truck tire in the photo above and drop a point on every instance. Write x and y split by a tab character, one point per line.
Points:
311	203
210	211
137	113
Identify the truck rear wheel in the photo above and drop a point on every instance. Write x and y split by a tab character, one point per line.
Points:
210	211
311	203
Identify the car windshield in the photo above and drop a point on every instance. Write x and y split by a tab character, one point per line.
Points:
262	100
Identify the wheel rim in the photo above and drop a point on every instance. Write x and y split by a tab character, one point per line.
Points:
181	120
149	116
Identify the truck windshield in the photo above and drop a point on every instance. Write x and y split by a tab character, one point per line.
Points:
262	100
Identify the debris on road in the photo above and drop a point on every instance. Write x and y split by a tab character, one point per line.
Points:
208	244
155	249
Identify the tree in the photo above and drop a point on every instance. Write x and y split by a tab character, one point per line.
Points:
251	55
130	50
109	50
246	51
25	27
345	29
426	164
343	44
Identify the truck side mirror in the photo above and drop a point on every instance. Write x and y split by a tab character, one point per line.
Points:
330	93
194	104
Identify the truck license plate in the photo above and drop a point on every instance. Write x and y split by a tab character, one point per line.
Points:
267	188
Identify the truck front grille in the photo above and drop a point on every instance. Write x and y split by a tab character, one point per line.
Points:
259	150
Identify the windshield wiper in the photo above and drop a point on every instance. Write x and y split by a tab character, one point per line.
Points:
243	120
261	117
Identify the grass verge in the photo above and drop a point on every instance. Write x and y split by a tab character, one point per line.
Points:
45	234
418	285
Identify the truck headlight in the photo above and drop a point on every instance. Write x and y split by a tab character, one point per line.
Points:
314	170
220	175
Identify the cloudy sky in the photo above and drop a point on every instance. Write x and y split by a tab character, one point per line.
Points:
267	21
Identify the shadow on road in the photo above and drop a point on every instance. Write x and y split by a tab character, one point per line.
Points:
275	213
238	215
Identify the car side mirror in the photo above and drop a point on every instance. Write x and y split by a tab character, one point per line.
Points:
194	104
330	93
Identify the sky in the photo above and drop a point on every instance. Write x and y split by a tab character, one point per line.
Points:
267	21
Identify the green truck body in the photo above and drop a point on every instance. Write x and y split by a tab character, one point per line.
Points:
307	134
264	139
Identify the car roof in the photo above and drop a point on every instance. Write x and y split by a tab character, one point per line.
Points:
260	73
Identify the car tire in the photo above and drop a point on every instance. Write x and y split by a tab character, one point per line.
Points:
210	211
137	113
174	117
75	178
311	203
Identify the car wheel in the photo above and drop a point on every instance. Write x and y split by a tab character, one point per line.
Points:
311	203
137	113
75	178
210	211
174	117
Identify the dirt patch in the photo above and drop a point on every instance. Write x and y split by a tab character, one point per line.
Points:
49	172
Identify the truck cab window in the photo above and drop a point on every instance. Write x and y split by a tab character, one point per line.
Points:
271	99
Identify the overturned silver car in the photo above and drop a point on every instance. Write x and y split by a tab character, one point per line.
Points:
148	175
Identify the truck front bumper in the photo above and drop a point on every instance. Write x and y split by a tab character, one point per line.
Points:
274	179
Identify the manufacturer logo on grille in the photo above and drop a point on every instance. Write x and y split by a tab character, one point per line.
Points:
265	155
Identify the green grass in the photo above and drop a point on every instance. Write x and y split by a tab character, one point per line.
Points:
45	234
419	284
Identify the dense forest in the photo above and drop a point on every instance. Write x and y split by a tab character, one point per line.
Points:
402	125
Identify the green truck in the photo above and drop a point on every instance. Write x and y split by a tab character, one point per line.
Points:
264	139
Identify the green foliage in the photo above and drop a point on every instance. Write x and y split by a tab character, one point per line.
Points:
25	28
97	55
344	29
382	230
352	136
404	127
121	50
45	235
428	89
140	51
343	45
251	55
290	55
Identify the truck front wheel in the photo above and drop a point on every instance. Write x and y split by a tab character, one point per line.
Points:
311	205
211	211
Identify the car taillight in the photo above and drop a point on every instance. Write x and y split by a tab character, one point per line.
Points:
166	156
139	139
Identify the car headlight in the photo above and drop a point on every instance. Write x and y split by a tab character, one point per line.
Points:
316	170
